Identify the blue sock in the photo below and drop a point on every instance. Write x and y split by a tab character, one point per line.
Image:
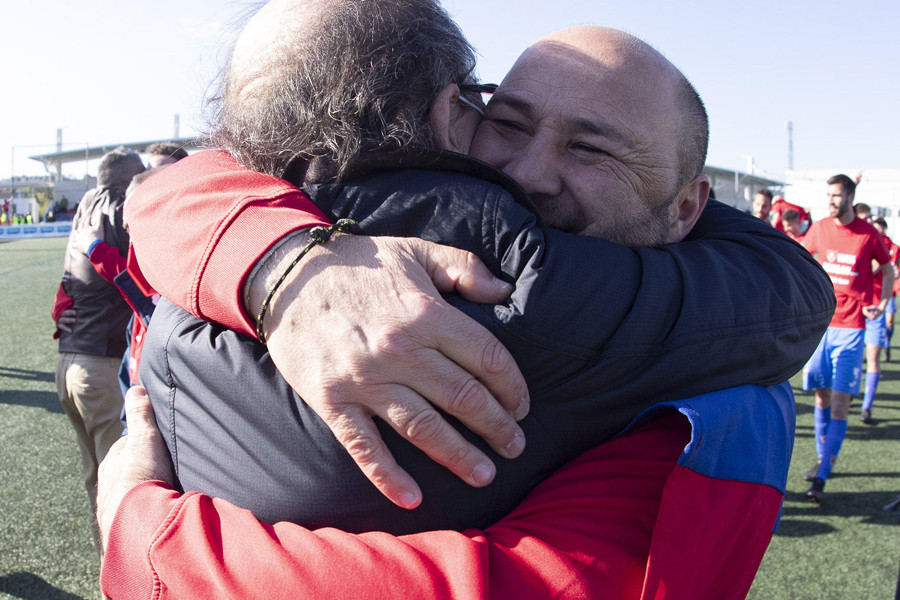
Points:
871	386
837	430
823	418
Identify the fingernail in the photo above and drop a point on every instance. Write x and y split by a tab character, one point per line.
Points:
522	409
408	500
483	473
502	284
516	446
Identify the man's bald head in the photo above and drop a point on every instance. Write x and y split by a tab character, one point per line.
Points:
639	62
326	80
269	40
605	134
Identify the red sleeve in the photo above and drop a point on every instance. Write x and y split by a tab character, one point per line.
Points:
567	539
61	302
710	537
196	248
107	261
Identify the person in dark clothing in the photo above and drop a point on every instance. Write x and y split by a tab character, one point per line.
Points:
91	346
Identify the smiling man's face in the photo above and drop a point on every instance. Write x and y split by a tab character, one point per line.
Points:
840	203
591	132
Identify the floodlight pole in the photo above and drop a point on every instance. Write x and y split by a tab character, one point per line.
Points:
790	132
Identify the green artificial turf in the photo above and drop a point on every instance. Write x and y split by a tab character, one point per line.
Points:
848	547
45	543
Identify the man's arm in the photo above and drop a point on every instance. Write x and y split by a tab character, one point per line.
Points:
555	543
653	311
62	312
106	260
427	350
886	271
567	539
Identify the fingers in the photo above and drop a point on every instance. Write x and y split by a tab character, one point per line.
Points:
432	373
134	458
139	413
356	431
66	320
416	420
482	358
452	269
146	444
362	320
422	368
464	341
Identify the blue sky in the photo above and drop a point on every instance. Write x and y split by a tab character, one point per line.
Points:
108	71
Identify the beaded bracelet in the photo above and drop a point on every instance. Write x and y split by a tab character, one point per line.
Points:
317	235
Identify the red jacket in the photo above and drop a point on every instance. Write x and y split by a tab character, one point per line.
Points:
685	536
779	207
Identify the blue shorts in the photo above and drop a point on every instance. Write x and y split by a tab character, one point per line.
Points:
891	305
877	332
837	361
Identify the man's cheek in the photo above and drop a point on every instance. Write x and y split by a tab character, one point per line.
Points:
488	145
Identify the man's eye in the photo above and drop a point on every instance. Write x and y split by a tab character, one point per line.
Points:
506	124
589	149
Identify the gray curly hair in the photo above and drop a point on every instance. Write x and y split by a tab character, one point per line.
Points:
360	79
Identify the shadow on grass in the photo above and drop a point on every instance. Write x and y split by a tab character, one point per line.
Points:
867	507
888	374
804	409
31	587
878	429
885	424
797	528
49	401
27	375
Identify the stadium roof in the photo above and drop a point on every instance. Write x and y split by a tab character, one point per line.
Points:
57	159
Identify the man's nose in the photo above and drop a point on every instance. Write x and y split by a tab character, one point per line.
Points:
537	167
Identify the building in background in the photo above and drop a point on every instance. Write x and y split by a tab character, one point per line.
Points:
736	188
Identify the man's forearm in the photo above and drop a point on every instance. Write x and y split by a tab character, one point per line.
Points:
269	268
107	261
199	227
726	239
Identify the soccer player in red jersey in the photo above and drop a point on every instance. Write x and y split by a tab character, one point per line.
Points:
846	247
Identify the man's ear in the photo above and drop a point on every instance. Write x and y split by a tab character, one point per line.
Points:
687	207
440	115
451	123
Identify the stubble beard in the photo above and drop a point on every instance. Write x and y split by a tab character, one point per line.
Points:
649	229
